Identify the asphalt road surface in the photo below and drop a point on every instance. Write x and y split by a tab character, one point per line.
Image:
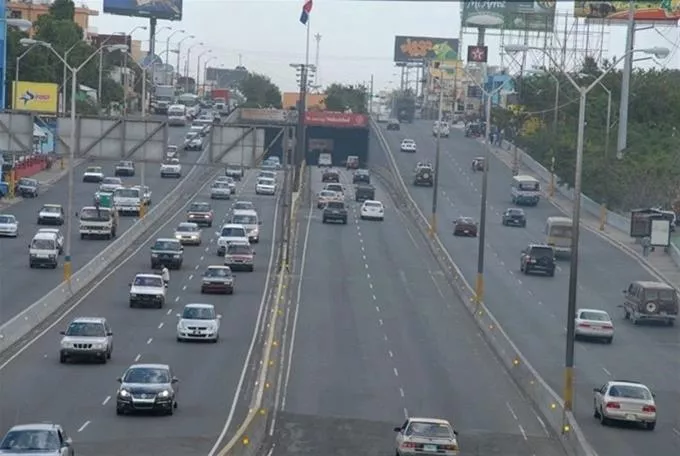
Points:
379	336
532	309
81	397
21	286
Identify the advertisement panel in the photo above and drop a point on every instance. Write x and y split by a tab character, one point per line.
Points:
271	116
509	15
659	11
35	96
447	70
315	101
422	48
170	10
335	119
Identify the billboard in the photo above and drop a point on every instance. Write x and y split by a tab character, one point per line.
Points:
335	119
658	11
225	77
102	39
515	15
447	70
315	101
35	96
422	48
170	10
270	116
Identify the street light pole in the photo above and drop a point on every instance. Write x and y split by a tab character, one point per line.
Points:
576	215
101	61
198	68
205	71
179	52
167	51
435	186
188	65
603	207
16	69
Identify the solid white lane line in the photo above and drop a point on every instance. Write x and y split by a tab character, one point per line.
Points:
106	401
85	424
524	434
512	412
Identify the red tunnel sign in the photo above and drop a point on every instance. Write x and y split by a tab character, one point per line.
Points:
335	119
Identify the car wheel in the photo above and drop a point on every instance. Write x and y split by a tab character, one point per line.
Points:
651	426
596	414
609	340
603	419
551	273
202	291
62	358
119	411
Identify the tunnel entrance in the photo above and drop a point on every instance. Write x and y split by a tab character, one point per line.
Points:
338	133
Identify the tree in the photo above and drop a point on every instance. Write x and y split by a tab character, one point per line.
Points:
342	98
260	92
649	172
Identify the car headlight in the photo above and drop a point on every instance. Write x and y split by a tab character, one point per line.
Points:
97	346
65	344
176	255
52	256
123	393
132	295
154	255
165	393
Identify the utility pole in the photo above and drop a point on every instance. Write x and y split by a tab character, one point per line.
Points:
305	76
622	139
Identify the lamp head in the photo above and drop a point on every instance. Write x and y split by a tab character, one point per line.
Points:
22	24
514	48
659	52
118	47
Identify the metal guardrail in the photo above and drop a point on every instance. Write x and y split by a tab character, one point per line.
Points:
26	321
546	401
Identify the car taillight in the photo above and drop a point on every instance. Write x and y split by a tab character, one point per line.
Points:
408	445
607	326
531	260
584	325
614	405
649	408
448	447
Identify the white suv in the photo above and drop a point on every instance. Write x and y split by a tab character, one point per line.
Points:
148	290
86	338
173	168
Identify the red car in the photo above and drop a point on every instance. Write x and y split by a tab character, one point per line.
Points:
465	226
201	214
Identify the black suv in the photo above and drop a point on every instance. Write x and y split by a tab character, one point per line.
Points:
361	175
424	176
335	211
363	192
538	258
514	217
330	175
167	252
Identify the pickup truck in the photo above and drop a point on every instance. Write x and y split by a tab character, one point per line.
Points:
97	221
128	200
171	168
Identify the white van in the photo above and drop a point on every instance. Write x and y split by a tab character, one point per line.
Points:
43	251
526	190
249	219
325	159
127	200
177	115
558	235
440	128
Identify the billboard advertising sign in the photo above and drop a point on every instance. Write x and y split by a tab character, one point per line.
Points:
35	96
272	116
422	48
335	119
657	11
509	15
170	10
447	70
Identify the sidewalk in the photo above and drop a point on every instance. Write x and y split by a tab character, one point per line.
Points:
46	179
658	262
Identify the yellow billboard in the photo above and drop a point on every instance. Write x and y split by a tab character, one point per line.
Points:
35	96
315	102
446	70
667	11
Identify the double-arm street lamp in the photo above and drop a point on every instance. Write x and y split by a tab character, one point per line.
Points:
74	89
167	52
576	215
188	65
101	60
198	67
179	52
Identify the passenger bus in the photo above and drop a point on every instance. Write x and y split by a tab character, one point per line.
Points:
526	190
558	235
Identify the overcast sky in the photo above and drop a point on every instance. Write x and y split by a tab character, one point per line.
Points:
357	36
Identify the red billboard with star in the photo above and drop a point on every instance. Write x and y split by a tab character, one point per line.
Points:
334	119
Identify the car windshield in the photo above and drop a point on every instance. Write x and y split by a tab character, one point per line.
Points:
93	169
95	215
7	219
187	227
28	182
430	430
267	175
148	375
265	181
111	180
218	272
166	245
234	170
42	244
198	313
239	249
373	204
594	316
542	252
233	232
220	185
529	186
243	205
245	219
30	440
51	209
335	188
335	205
466	220
664	295
199	207
145	281
630	392
274	159
192	135
560	231
86	329
127	192
515	212
172	148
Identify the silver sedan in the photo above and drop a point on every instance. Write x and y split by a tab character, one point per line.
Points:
426	436
188	233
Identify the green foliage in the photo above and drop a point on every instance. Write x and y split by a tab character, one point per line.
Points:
649	171
341	97
260	92
41	65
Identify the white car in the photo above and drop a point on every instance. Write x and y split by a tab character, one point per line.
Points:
9	225
230	232
594	324
188	233
267	174
146	193
51	214
172	168
110	184
57	233
229	181
337	188
441	129
86	338
625	401
198	128
372	210
426	436
408	145
198	322
265	186
93	174
147	290
171	151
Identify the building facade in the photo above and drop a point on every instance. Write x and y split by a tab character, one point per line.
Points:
31	10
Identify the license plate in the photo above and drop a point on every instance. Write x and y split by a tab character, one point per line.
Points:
196	332
630	417
664	313
430	447
42	256
466	232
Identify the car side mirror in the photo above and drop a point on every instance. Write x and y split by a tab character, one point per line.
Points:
219	317
254	253
597	390
397	429
130	284
110	333
217	233
119	380
174	380
624	291
76	214
259	222
181	249
68	441
455	432
653	394
63	333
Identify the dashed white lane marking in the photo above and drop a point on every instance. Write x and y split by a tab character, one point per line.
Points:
85	424
512	412
149	340
191	276
606	371
401	392
396	372
377	308
138	357
160	325
380	322
170	310
676	432
106	400
390	354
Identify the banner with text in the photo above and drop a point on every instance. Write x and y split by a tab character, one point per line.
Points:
335	119
666	11
538	16
422	49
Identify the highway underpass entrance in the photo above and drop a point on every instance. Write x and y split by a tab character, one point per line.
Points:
342	134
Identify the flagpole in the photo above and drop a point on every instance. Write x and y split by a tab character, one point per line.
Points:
307	44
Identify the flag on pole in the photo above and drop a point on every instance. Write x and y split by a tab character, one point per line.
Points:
306	10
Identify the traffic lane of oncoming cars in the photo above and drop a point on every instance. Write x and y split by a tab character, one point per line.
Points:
385	322
208	379
627	357
23	286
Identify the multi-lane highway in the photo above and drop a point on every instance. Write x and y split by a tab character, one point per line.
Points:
213	380
532	309
378	335
20	286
